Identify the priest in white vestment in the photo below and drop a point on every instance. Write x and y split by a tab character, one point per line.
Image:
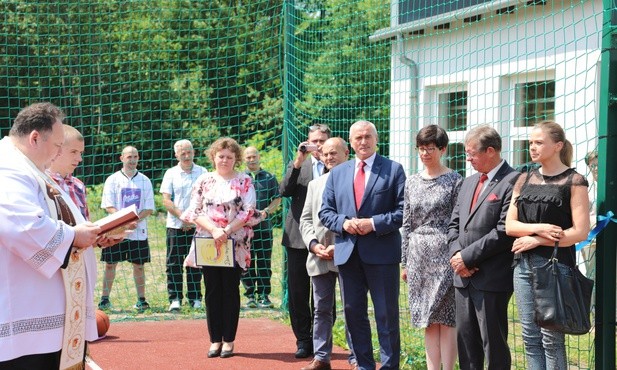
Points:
37	248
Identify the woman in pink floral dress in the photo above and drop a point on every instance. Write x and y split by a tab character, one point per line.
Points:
223	206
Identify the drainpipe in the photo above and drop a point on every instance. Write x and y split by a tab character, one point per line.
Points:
413	98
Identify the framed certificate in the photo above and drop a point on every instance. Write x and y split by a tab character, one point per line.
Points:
207	253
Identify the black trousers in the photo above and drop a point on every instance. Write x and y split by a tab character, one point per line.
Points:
256	280
482	329
299	296
178	245
222	302
42	361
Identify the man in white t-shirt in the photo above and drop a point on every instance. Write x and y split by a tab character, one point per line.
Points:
176	189
122	189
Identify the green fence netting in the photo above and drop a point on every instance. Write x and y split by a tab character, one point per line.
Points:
148	73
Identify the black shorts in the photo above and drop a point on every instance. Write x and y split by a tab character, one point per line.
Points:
134	251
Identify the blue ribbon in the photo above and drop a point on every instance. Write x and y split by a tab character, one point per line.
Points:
603	221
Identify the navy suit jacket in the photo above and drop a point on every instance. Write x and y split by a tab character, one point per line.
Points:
383	201
480	233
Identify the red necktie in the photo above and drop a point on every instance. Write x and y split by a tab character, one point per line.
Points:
483	178
358	184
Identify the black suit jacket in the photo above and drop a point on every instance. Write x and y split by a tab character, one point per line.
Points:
480	233
295	186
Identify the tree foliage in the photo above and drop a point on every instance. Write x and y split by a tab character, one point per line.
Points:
148	73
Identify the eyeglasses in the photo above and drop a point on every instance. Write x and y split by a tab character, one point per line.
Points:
428	150
473	154
593	166
319	127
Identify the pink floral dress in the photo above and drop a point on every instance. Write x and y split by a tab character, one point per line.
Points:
222	201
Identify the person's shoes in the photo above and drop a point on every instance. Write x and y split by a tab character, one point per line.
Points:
197	304
215	350
265	303
104	304
227	350
174	306
317	365
251	303
354	366
303	353
141	305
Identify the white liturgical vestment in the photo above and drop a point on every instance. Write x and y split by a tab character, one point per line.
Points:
33	247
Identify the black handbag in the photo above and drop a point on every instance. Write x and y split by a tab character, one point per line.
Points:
562	297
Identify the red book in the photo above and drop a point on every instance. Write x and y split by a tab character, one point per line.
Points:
118	222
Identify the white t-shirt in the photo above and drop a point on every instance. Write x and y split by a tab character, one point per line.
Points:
120	192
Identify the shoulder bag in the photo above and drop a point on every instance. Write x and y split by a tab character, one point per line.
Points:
562	297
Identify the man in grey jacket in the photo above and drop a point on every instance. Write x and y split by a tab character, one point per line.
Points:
320	264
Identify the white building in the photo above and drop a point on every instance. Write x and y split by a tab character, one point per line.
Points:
507	63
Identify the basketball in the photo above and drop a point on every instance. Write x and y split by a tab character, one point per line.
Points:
102	322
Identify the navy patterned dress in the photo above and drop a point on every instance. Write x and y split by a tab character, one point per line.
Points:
428	208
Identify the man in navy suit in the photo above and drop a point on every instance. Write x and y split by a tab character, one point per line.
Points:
366	222
481	254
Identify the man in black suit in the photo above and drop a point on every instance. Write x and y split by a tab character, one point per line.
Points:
305	167
481	256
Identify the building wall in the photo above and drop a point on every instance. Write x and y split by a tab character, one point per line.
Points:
559	40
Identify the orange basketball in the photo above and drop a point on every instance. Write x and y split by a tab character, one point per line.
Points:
102	322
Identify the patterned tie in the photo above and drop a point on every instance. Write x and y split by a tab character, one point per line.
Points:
483	178
358	184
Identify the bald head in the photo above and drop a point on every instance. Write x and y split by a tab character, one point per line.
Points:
334	152
251	158
129	158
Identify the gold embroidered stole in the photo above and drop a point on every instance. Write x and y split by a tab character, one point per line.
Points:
74	276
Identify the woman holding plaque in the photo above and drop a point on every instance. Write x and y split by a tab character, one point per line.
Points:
223	209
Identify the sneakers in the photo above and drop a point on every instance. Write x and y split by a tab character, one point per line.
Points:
141	305
104	304
197	304
251	303
174	306
265	303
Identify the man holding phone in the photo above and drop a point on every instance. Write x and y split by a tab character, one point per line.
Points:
299	173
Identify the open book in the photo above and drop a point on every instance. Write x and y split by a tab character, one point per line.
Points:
116	223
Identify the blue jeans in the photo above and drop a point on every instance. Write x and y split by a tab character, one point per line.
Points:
544	349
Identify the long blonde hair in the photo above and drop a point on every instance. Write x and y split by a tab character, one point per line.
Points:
557	134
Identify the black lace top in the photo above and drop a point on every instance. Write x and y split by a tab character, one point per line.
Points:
546	199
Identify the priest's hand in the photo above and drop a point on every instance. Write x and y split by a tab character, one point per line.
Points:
105	240
85	234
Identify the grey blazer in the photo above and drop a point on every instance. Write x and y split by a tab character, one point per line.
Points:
312	228
480	233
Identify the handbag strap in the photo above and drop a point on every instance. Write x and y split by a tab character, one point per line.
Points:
554	255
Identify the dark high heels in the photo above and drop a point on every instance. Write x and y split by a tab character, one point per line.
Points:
215	350
227	349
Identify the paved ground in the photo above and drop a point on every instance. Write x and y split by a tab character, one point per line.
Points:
261	343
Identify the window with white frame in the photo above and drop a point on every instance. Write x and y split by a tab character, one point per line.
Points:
450	112
531	99
535	102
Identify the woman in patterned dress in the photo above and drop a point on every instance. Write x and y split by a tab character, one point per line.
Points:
429	199
223	206
549	204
